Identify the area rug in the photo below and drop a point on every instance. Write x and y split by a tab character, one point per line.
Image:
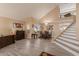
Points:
46	54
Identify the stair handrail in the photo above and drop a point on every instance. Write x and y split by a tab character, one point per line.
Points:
65	29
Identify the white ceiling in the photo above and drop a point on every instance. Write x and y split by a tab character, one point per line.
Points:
21	10
66	7
37	10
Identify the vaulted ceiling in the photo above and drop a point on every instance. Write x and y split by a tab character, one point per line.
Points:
36	10
21	10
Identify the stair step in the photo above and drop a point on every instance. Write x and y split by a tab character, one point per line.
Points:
70	40
70	33
67	49
71	27
69	45
71	30
69	37
64	23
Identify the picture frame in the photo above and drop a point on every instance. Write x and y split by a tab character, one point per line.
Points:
18	25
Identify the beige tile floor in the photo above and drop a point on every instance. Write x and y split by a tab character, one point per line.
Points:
33	47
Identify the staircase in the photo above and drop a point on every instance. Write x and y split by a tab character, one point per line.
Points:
68	41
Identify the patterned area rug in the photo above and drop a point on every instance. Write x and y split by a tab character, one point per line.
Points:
46	54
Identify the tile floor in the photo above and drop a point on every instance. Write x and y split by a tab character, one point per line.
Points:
33	47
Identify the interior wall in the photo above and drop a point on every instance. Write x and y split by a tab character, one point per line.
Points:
53	16
29	21
7	27
77	21
18	21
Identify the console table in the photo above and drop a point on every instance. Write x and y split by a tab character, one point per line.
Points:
20	35
6	40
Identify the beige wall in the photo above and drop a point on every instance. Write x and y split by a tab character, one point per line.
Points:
77	21
29	21
6	26
53	16
28	25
